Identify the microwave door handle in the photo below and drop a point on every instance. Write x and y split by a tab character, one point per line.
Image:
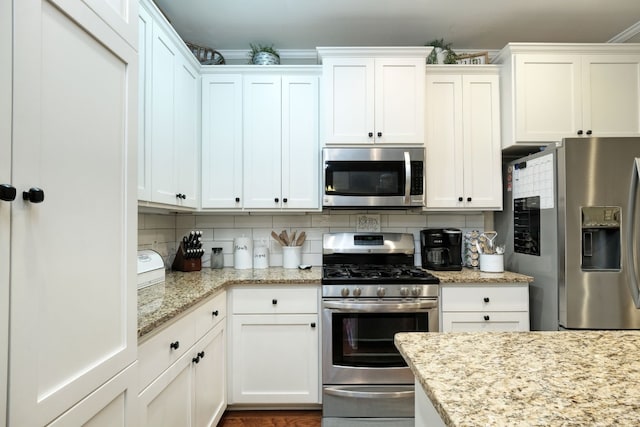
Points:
631	233
407	178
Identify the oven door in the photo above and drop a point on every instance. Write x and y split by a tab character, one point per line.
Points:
357	341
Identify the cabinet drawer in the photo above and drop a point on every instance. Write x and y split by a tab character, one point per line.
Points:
485	321
157	354
485	298
210	314
275	300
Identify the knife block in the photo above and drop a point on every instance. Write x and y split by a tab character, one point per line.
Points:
182	263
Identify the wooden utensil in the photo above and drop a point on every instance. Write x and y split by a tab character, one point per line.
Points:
285	238
293	239
277	238
301	239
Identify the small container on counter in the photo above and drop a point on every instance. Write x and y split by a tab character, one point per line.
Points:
260	254
242	253
217	258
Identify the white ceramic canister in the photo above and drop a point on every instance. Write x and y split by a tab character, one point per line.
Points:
492	263
291	256
242	253
260	254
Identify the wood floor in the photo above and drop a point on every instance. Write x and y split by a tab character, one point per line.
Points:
271	419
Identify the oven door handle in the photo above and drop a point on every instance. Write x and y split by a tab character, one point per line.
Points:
369	394
387	307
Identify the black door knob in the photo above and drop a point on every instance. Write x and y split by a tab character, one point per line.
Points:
379	134
313	324
184	196
589	132
178	195
370	134
34	195
460	199
237	199
214	313
174	345
201	355
486	317
284	200
276	200
486	299
274	301
7	192
468	199
580	132
196	360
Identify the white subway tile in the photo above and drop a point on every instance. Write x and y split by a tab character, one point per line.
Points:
312	259
215	221
443	220
291	221
315	233
410	220
252	221
146	237
141	218
474	221
230	233
186	221
160	221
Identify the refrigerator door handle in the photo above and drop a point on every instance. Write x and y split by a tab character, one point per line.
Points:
631	239
587	243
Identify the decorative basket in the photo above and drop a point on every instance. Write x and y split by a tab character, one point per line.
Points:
206	55
265	58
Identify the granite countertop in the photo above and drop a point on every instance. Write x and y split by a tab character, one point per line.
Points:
528	378
157	304
473	275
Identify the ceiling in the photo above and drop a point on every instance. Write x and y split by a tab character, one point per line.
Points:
466	24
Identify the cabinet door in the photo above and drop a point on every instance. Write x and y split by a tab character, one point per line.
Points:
548	101
187	137
73	256
444	143
611	95
399	101
262	141
275	359
168	401
222	141
210	378
482	150
300	149
163	132
348	100
145	40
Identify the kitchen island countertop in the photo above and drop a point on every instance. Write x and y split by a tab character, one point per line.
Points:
528	378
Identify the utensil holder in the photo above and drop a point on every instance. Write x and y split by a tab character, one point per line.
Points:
182	263
492	263
291	256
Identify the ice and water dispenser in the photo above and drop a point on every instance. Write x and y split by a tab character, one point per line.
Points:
600	238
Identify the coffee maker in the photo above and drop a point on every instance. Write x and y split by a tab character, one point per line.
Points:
441	249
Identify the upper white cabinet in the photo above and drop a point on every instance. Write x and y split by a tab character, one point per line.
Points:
260	146
169	157
73	85
373	95
554	91
463	153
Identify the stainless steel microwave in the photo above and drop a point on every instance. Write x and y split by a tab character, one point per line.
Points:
388	177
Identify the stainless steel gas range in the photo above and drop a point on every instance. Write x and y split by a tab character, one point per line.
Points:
370	291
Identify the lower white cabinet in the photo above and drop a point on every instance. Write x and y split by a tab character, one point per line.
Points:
191	388
275	344
484	307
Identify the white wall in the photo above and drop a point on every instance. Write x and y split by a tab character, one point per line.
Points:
162	232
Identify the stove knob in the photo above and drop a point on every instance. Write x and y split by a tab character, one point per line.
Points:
344	292
357	292
404	291
381	291
416	291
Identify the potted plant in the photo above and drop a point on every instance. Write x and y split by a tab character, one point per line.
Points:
442	53
263	55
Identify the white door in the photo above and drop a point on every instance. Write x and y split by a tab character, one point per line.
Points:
187	137
399	101
73	294
548	101
348	100
210	378
262	157
611	95
482	151
163	132
222	141
300	148
145	36
444	142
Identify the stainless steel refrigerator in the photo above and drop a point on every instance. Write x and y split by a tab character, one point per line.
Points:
571	220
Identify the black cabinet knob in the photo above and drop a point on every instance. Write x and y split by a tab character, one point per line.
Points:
34	195
196	360
214	313
184	196
7	192
178	196
370	134
274	301
580	132
175	345
486	317
486	299
276	200
589	132
313	324
201	355
237	199
460	199
284	200
468	199
379	134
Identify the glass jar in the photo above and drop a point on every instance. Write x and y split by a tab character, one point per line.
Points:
217	258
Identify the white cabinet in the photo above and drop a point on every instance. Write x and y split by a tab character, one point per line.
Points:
373	95
274	357
72	114
170	115
463	152
183	370
556	91
260	141
484	307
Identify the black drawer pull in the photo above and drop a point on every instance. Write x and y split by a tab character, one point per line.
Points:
274	301
174	345
486	299
313	324
486	317
214	313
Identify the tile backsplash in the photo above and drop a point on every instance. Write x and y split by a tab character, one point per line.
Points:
162	232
